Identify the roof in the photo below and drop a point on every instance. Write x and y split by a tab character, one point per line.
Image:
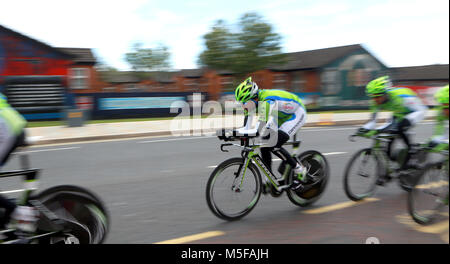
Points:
164	77
191	73
124	77
81	55
39	43
426	72
137	77
315	58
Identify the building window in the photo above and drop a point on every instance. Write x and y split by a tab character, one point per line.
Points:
227	83
331	84
298	84
109	89
191	85
133	87
358	77
280	81
79	78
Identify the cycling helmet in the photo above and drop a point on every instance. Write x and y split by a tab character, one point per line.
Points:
246	90
441	95
378	87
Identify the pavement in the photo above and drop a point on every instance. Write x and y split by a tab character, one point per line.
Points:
179	127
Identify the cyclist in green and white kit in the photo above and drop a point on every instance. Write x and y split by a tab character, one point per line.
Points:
12	126
407	110
440	135
281	115
439	140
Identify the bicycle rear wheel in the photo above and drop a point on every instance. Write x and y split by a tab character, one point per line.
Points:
86	218
318	171
229	195
361	175
429	194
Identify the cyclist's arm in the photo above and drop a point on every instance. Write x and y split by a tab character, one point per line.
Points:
266	113
439	129
373	120
417	109
248	121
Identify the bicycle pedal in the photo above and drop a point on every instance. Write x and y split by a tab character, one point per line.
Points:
297	186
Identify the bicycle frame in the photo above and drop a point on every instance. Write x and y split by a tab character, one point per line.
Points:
30	178
379	150
249	154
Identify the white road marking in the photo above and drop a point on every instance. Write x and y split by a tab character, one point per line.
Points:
173	139
325	129
12	191
44	150
325	154
334	153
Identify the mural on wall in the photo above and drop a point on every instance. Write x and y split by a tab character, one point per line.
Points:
343	83
21	56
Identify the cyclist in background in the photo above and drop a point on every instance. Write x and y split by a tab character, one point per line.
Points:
407	110
281	115
12	126
439	134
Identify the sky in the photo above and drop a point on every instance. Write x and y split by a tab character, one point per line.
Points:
398	32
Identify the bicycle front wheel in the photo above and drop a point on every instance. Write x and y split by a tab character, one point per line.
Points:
429	194
230	193
361	175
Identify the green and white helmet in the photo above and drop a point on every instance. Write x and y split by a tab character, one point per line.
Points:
378	87
246	90
441	95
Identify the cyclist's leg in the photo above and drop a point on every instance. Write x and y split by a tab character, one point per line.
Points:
7	143
293	125
266	155
403	135
283	137
290	128
7	207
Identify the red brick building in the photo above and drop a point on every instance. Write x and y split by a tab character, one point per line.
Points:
38	78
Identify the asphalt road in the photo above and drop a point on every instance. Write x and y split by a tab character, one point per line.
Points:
154	189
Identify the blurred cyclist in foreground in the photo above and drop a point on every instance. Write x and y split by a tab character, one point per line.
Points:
281	115
407	110
12	126
439	135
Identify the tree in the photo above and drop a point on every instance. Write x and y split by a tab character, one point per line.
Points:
147	59
219	43
106	72
253	47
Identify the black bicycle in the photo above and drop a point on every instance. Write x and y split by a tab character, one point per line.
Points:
430	193
68	214
368	165
235	186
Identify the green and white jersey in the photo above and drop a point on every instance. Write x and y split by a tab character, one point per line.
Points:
277	110
439	129
11	117
403	102
284	103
